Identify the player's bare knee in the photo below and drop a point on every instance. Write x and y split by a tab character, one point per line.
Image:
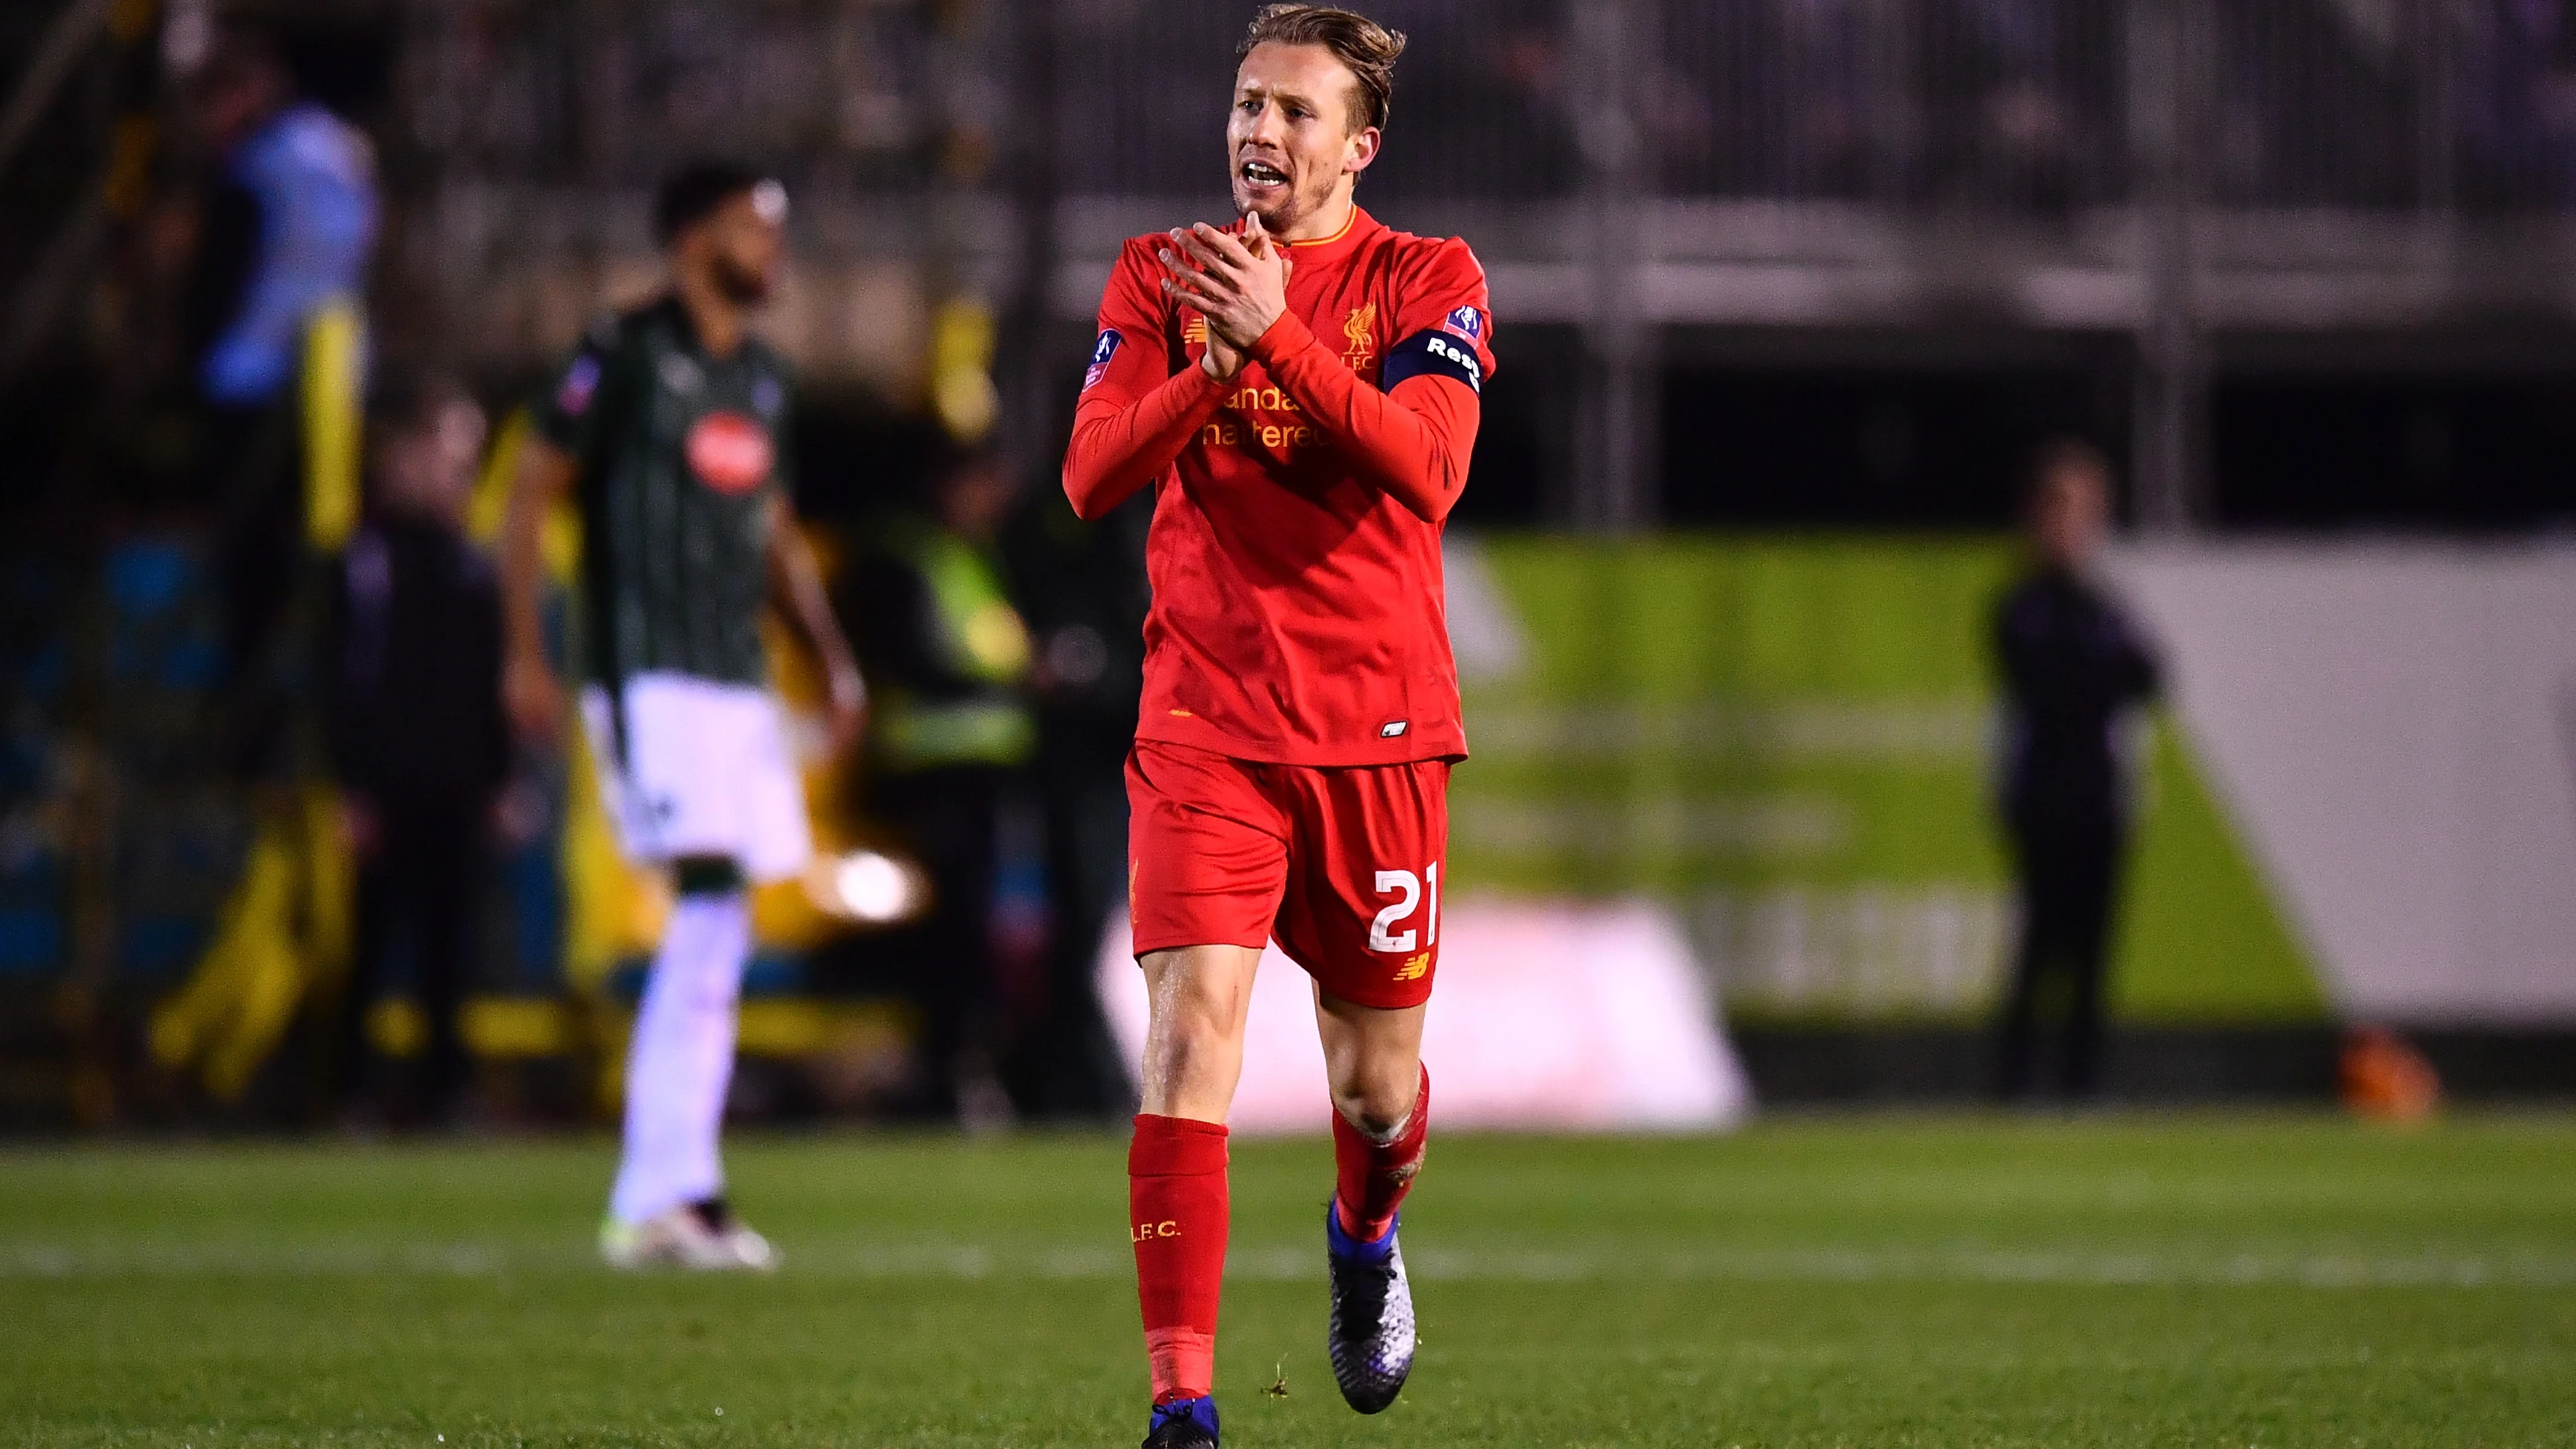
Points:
1196	1019
1193	1048
1378	1103
1372	1121
1187	1039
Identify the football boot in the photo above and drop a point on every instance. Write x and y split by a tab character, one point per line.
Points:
1370	1338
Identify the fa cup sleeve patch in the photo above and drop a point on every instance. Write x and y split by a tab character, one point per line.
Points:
1101	351
1437	352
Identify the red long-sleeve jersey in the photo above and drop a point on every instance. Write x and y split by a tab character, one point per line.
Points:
1297	615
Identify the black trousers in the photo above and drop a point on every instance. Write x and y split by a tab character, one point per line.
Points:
951	818
250	473
422	885
2069	878
1067	1065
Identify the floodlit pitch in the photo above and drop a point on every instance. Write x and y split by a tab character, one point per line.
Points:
1925	1281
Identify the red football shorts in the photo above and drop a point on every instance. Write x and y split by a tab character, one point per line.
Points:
1341	866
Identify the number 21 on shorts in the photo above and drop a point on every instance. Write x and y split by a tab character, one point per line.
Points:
1410	894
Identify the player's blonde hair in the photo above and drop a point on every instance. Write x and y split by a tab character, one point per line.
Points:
1366	48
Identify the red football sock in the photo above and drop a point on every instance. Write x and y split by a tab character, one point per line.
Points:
1371	1178
1176	1196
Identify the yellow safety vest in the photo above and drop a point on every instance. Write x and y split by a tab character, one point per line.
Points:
979	636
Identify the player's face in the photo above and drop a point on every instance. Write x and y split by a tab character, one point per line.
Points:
427	470
2073	516
974	503
1291	141
226	113
744	239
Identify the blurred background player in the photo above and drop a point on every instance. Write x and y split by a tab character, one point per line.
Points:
418	735
1304	388
668	429
2074	670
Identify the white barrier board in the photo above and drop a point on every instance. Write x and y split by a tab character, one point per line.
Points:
1552	1017
2393	729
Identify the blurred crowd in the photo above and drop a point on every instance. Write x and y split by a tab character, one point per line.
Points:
271	838
2021	103
253	771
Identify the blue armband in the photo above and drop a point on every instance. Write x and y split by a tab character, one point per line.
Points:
1437	353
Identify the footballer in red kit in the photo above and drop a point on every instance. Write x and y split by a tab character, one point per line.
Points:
1301	387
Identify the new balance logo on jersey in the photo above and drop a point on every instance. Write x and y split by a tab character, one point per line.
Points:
1394	729
1101	351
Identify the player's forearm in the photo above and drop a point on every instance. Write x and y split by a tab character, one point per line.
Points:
1120	446
1415	444
799	586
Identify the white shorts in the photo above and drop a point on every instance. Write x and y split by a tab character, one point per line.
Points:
703	770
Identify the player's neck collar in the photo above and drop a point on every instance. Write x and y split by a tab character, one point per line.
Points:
676	308
690	334
1359	223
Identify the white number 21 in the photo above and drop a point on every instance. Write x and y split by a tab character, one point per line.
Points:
1408	887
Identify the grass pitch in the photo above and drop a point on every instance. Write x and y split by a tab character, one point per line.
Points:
1884	1281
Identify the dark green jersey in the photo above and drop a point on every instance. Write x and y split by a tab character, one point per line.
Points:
680	457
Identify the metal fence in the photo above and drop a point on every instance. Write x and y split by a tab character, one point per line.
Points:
1483	98
2169	169
606	94
2017	105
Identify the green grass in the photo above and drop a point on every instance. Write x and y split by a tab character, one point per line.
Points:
1883	1281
